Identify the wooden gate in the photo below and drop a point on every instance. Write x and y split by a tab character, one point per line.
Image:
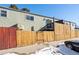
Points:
7	38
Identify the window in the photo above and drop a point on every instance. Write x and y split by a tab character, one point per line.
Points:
48	21
30	18
45	19
32	28
49	25
3	13
73	24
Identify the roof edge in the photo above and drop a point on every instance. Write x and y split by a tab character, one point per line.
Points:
25	12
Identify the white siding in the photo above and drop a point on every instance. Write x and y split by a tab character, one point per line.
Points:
14	17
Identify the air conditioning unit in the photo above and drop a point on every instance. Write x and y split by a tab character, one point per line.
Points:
21	27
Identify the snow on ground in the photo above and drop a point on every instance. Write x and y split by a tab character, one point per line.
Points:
10	54
61	49
48	51
53	50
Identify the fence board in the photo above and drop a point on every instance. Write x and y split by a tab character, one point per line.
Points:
19	38
59	31
12	38
29	38
1	39
25	38
51	36
7	38
77	33
73	33
67	31
33	37
40	37
48	36
45	36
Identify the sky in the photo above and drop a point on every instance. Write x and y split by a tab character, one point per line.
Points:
69	12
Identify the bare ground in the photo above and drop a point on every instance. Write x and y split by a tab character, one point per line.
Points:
26	50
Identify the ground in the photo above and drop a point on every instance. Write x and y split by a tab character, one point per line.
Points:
50	48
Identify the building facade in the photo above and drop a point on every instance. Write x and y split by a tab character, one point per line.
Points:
28	21
24	20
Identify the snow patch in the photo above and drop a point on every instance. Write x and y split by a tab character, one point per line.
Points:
59	49
10	54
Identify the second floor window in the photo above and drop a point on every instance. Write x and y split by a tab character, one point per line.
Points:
3	13
30	18
49	25
48	21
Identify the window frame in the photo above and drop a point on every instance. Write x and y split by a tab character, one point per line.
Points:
3	13
28	17
49	23
32	28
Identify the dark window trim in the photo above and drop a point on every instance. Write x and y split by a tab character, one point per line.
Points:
32	28
49	25
3	13
28	17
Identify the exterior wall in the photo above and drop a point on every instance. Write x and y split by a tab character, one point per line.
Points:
38	22
9	20
14	17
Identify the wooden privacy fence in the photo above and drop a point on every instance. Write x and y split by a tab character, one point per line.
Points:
45	36
40	36
64	31
77	33
73	33
59	31
10	37
49	35
67	31
27	38
7	38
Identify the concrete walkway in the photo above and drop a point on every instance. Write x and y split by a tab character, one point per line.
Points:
26	50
